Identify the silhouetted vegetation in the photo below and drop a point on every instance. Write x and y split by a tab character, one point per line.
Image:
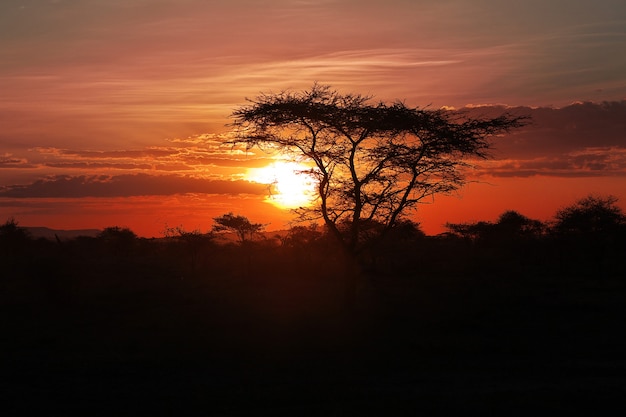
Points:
371	162
13	239
510	317
191	243
239	225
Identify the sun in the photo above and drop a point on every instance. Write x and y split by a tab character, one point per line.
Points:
290	185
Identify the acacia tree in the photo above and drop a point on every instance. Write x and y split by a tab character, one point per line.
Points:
373	162
590	216
591	233
240	225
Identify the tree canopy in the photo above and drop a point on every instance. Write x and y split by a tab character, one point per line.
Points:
511	226
240	225
590	215
372	161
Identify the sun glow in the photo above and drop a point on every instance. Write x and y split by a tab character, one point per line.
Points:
289	183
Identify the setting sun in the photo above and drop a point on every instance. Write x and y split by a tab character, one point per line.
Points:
290	184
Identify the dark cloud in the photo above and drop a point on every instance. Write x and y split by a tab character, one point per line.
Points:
561	131
525	173
65	186
582	139
135	154
231	162
168	159
9	162
172	167
595	162
579	140
96	165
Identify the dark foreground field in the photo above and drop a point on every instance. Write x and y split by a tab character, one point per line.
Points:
90	332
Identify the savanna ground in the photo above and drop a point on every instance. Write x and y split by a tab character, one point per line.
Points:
439	326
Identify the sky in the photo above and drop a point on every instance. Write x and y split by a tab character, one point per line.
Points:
114	112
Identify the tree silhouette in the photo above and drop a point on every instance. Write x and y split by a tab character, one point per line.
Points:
372	162
473	232
590	216
511	226
240	225
119	240
13	238
512	243
590	232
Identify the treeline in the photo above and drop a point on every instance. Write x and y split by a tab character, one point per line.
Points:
586	238
228	323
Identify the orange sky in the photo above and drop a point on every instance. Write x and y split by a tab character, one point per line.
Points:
112	113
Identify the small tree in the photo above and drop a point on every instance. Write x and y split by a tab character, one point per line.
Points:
510	227
12	231
591	233
240	225
119	240
590	216
513	242
513	225
373	162
13	238
472	232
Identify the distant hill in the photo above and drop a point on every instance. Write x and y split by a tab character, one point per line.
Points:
47	233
